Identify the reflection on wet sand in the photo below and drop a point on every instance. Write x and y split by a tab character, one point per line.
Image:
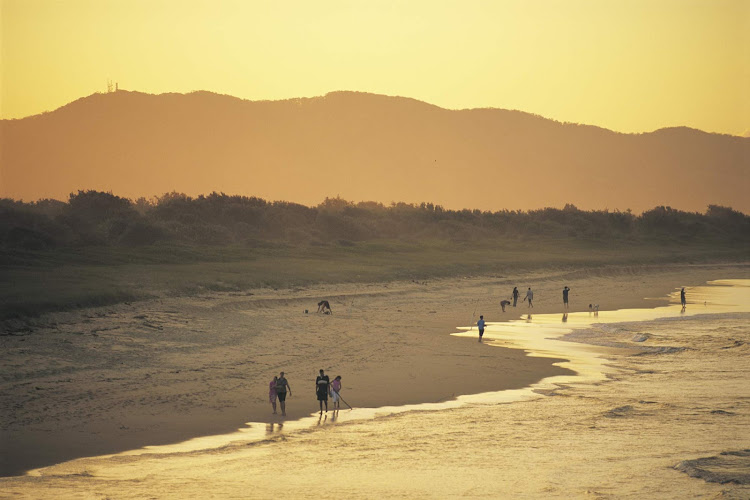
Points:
617	428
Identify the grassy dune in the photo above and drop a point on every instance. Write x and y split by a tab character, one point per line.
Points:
32	283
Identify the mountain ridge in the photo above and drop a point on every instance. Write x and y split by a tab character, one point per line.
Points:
362	146
334	93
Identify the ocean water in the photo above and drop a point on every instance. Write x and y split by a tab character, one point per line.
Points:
659	408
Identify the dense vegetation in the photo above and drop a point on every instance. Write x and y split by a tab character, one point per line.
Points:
92	218
99	249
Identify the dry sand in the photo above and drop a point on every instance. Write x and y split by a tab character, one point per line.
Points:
161	371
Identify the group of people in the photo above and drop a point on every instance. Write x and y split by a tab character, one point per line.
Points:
528	298
514	295
279	387
593	308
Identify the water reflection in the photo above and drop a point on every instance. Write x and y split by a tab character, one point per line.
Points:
616	436
274	427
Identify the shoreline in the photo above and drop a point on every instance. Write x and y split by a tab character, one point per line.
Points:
389	341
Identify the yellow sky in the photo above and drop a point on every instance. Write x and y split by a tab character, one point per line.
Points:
628	65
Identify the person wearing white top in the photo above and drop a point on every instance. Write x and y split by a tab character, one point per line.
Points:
529	297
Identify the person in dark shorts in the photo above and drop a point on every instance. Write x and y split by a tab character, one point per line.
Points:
565	297
324	307
683	301
322	388
515	296
504	303
281	389
480	326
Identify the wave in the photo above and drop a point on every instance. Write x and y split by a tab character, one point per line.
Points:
728	467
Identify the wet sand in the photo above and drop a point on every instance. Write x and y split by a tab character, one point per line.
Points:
149	373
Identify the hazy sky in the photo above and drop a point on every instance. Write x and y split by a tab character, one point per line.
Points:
628	65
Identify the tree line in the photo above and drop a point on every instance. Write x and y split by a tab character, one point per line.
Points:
99	218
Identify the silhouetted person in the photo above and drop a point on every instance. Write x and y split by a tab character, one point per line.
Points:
565	297
683	302
322	387
480	326
281	387
529	297
515	296
504	303
324	307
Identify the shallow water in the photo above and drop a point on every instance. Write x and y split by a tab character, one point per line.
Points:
658	393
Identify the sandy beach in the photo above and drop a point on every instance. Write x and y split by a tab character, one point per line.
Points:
105	380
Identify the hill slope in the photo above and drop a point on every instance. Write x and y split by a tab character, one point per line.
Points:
362	147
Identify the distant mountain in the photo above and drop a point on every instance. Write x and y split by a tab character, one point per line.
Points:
362	147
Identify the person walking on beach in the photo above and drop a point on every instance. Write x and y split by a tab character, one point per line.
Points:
272	393
322	388
335	390
480	326
565	297
324	307
515	296
504	303
529	297
683	301
281	388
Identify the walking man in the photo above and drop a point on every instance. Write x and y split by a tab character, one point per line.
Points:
529	297
683	301
281	388
565	297
515	296
322	388
480	326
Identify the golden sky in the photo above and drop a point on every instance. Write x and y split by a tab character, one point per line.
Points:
628	65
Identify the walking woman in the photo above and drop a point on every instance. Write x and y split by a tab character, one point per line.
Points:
335	390
272	393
